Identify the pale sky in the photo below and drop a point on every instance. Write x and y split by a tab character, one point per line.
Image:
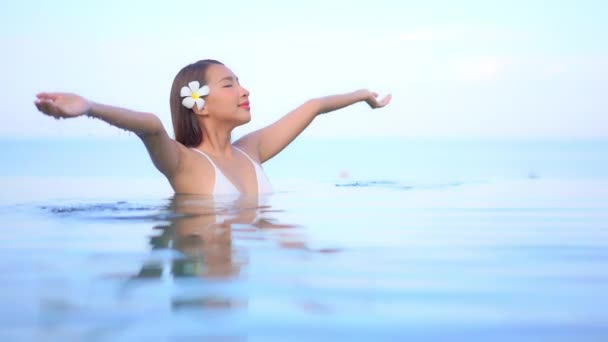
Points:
523	69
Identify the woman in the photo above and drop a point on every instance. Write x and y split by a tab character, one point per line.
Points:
207	103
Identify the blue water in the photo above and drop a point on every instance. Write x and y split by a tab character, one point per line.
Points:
370	239
327	159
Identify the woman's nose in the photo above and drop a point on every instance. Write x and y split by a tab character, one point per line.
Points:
244	91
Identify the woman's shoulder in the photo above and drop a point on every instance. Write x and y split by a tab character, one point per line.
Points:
192	159
192	173
249	146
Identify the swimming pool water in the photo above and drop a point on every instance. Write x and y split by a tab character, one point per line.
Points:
510	260
453	242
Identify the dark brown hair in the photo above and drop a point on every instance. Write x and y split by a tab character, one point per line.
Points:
185	123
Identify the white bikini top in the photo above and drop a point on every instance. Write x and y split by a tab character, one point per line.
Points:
223	186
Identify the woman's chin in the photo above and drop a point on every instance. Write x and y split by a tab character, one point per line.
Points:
241	120
246	118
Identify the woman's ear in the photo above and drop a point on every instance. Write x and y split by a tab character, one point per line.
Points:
202	111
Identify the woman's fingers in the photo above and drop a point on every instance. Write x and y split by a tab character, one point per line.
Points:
47	107
47	96
38	105
44	103
41	106
385	100
379	103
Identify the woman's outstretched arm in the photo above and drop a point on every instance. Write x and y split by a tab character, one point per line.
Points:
164	151
275	137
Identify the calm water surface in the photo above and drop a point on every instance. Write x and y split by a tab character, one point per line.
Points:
357	258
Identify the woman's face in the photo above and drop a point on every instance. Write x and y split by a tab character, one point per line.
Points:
227	99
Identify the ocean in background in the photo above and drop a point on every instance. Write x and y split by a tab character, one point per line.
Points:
329	159
364	239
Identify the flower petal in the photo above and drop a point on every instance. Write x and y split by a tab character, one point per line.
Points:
185	91
204	91
194	85
200	103
188	102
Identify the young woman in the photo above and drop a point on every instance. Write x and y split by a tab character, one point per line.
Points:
207	103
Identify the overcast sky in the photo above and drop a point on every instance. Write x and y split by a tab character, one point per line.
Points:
455	68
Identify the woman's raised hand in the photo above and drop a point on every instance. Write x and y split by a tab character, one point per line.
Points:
372	99
62	105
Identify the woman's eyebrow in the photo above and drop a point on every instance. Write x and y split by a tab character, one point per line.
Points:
229	78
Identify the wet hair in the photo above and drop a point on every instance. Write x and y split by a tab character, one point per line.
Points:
185	123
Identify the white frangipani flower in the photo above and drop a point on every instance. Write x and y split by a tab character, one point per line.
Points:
193	94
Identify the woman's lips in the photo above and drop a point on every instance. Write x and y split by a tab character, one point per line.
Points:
245	105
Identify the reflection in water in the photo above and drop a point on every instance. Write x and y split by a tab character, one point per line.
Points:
202	229
469	263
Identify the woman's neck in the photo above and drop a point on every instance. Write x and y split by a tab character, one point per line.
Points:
217	142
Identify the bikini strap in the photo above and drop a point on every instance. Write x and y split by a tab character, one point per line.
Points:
206	156
246	155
